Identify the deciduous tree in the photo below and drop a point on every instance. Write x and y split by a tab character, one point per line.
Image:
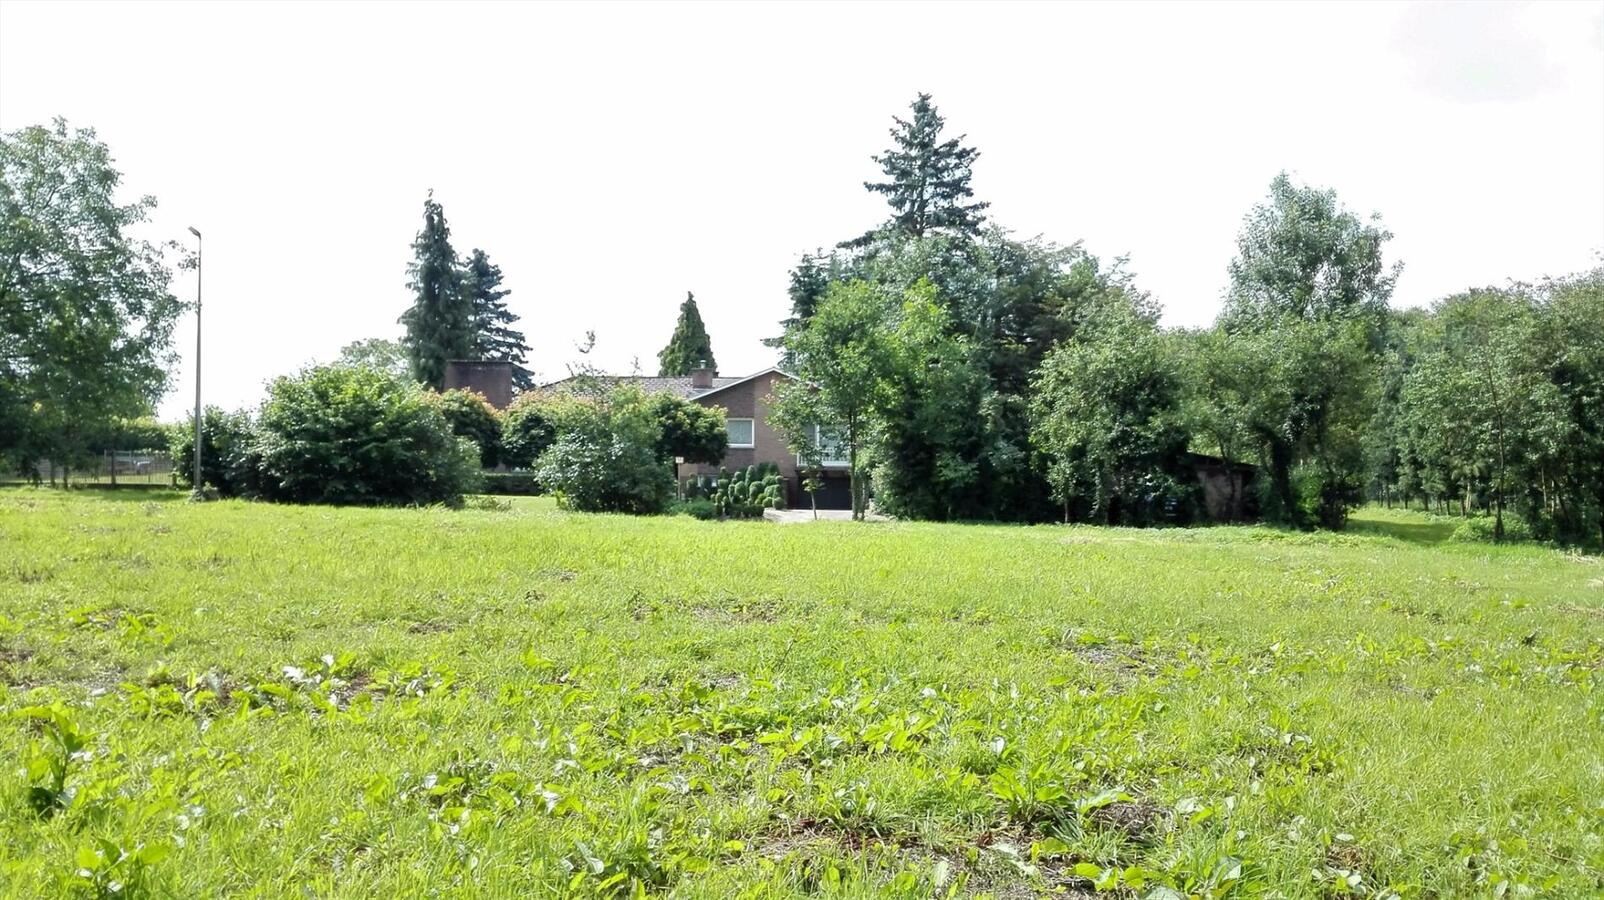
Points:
843	357
86	309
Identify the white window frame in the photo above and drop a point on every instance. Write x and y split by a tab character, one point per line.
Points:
750	424
826	462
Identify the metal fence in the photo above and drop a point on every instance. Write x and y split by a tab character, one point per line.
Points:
110	467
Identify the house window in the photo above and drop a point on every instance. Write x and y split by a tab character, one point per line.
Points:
832	450
740	432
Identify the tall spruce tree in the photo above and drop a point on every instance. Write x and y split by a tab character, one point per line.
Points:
690	347
808	283
439	324
494	338
927	182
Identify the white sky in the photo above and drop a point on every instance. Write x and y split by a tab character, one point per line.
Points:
611	157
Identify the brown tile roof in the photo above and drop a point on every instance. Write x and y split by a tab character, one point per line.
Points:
679	386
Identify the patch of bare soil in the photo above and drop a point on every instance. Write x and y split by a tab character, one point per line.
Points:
736	609
1137	820
1124	664
1349	857
432	626
991	865
10	659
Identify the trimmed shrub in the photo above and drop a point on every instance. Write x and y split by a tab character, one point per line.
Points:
604	458
472	417
356	435
745	494
527	428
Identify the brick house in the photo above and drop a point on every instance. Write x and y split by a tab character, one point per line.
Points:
746	420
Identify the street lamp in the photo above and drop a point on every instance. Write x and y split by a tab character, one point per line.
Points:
198	493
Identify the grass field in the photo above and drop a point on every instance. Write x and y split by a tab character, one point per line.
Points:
512	701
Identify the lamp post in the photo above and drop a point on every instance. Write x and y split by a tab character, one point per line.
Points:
198	493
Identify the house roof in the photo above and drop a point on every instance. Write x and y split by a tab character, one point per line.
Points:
678	385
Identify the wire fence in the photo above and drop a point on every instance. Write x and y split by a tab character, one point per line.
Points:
131	467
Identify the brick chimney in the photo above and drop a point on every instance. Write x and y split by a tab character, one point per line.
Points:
702	377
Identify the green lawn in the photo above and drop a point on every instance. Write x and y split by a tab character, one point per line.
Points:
515	701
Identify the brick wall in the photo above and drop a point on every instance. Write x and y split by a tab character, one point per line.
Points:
492	379
749	400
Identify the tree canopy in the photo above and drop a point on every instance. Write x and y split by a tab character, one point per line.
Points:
86	309
927	178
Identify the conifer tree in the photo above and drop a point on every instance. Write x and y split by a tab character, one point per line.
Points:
439	324
808	283
690	347
494	338
927	182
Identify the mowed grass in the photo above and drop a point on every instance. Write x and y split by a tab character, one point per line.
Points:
516	701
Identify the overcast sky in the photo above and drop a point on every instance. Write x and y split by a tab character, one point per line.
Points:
611	157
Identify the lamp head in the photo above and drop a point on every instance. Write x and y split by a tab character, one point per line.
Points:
193	231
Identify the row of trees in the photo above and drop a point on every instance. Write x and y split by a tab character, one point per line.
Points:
1495	399
459	311
459	308
976	375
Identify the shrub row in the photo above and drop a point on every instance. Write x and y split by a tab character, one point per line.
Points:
337	435
353	434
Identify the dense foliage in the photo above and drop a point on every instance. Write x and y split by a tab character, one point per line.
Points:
1494	401
527	429
1107	406
86	309
472	417
977	375
230	465
605	454
351	435
688	431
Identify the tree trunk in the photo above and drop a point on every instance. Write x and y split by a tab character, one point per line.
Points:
852	480
1281	479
